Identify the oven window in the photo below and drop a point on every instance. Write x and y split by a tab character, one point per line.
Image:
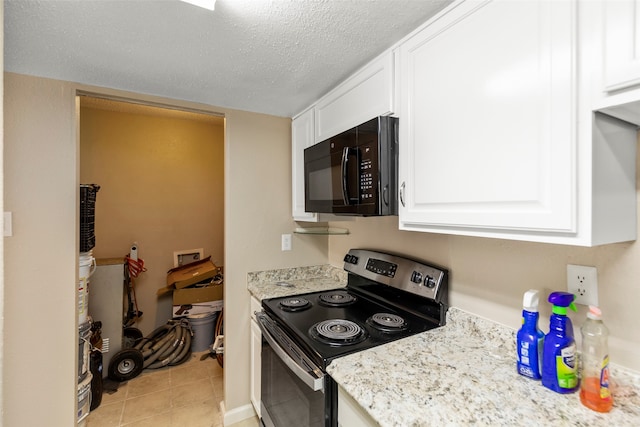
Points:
286	400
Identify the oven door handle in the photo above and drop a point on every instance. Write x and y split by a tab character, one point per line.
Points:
314	382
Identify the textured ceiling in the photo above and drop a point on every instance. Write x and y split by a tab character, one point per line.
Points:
268	56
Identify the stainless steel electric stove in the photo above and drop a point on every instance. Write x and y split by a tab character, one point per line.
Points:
387	297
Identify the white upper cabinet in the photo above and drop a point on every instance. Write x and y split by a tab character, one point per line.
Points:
489	137
614	28
622	44
302	136
363	96
486	119
501	131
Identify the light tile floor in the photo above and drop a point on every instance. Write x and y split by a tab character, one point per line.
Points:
184	395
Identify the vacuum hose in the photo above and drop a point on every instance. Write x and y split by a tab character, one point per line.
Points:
168	345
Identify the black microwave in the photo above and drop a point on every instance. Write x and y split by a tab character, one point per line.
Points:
355	172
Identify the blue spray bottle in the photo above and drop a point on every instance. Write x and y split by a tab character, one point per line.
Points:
530	338
559	360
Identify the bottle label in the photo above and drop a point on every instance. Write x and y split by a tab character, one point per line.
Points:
605	393
529	360
524	353
524	367
567	368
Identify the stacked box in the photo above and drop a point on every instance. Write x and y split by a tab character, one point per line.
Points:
193	289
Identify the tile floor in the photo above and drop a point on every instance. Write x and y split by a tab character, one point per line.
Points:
184	395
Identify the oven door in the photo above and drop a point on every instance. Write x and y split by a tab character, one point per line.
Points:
292	386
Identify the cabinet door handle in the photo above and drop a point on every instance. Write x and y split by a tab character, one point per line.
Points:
402	194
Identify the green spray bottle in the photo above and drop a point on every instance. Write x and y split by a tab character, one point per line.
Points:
559	359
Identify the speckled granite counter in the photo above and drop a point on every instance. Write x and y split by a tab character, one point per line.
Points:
293	281
464	373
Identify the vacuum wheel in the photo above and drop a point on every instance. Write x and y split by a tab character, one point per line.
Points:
126	364
131	336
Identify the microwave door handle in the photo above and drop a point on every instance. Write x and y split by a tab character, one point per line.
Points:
345	175
315	383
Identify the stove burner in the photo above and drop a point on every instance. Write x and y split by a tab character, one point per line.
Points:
337	298
338	332
387	322
294	304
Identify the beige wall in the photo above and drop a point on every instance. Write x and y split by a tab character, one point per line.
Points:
161	177
2	204
40	172
41	179
490	276
257	213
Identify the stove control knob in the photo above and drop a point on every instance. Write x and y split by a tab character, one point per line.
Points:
430	282
351	259
416	277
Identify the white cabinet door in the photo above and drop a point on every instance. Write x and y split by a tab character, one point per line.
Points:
363	96
302	136
256	348
350	413
622	44
487	134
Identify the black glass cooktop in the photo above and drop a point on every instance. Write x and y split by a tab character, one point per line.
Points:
359	309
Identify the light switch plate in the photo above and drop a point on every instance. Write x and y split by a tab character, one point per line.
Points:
286	242
8	224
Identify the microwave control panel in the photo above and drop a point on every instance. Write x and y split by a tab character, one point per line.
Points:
367	166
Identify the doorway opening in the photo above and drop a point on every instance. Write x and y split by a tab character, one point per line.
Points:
160	170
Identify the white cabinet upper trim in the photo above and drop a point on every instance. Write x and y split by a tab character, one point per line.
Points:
365	95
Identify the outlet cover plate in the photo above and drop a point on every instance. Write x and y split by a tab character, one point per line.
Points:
582	281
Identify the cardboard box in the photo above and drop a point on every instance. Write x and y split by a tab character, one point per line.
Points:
197	295
197	300
189	274
189	299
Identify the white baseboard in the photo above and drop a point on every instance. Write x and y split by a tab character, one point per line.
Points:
237	414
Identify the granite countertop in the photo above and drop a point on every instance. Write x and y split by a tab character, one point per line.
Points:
464	373
294	281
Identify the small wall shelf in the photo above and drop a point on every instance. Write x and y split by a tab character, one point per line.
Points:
320	230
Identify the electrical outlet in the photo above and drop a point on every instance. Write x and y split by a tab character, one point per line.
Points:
582	281
286	242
